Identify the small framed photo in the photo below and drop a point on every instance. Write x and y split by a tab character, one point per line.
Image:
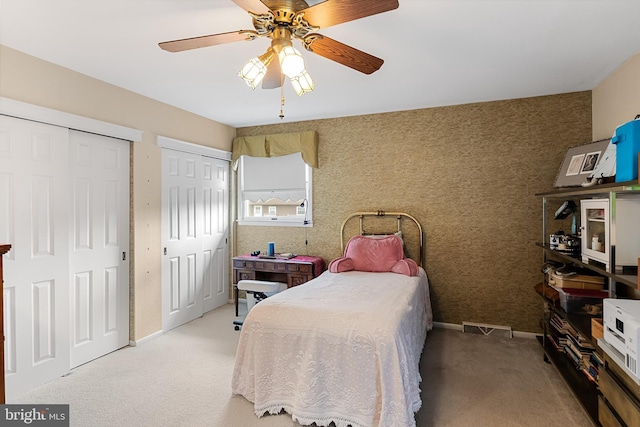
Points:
575	165
590	162
579	162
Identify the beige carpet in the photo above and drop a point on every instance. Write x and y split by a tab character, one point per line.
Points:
485	381
183	378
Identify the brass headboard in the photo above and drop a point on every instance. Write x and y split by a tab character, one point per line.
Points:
399	216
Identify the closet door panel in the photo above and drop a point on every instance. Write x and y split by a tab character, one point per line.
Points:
182	225
215	183
34	193
99	168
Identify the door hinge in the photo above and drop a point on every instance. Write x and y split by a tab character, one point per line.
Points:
124	256
165	251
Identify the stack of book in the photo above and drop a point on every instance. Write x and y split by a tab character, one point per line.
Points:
595	363
577	347
580	351
558	332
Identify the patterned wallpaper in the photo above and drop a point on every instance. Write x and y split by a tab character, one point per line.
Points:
468	173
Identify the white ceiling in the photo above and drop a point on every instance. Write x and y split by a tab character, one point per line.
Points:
436	53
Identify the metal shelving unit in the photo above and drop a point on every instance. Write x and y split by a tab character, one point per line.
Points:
611	192
624	285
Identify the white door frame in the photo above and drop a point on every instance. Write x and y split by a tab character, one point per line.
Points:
22	110
188	147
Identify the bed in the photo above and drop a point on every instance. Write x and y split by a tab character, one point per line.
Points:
343	348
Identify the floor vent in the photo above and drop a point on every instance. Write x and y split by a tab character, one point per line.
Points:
484	329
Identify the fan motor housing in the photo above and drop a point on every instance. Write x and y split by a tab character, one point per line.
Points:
284	16
290	5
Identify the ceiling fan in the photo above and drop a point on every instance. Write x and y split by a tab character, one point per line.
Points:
285	20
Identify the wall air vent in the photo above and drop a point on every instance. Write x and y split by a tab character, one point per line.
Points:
484	329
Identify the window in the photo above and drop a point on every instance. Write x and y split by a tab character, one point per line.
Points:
274	191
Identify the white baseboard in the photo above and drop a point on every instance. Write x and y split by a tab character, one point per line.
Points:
442	325
134	343
456	327
519	334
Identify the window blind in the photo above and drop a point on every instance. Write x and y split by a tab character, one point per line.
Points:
281	177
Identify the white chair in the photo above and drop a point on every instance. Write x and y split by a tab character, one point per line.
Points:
256	291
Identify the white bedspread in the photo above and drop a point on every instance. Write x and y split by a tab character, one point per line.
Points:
344	347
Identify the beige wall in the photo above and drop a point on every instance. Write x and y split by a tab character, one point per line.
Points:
469	174
616	100
28	79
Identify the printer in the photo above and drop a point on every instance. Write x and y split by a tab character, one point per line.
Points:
621	324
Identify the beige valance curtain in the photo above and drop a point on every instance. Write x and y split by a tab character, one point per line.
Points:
279	144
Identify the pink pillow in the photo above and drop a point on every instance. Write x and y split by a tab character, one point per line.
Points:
341	264
376	255
406	266
379	254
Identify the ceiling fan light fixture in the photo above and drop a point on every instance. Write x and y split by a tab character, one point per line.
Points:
291	62
285	20
254	71
302	83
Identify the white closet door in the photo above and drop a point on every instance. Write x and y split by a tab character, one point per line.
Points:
195	236
215	180
182	266
99	261
34	219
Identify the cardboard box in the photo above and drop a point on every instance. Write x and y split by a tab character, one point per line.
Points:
576	281
597	330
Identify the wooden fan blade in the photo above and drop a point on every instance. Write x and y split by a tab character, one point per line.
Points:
343	54
255	6
204	41
273	78
333	12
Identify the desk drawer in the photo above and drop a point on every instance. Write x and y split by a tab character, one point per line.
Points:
243	275
616	395
278	266
305	268
241	263
302	268
606	416
619	374
298	279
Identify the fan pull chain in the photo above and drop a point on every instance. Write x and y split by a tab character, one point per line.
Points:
281	102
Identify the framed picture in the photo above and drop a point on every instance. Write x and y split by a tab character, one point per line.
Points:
579	162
